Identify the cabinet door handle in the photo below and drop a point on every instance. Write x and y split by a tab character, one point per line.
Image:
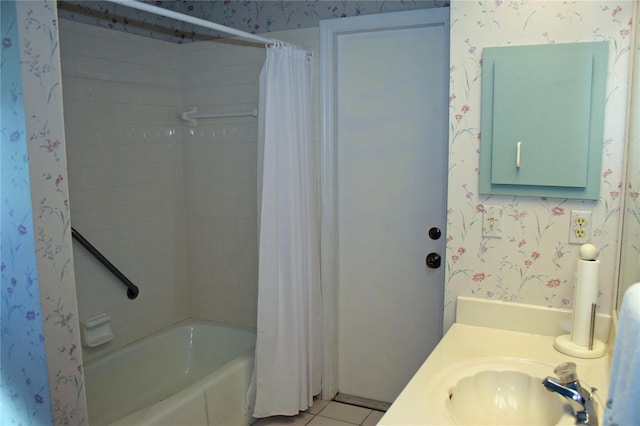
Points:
518	146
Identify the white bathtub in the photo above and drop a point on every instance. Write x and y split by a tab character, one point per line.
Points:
193	373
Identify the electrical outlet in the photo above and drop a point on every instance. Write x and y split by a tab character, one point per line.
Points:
492	222
580	227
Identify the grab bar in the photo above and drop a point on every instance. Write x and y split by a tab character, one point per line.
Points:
132	289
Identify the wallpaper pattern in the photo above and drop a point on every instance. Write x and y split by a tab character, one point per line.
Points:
37	23
533	262
24	389
250	16
630	256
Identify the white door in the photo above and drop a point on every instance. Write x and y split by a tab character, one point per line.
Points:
389	153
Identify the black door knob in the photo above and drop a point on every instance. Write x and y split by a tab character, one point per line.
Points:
434	260
435	233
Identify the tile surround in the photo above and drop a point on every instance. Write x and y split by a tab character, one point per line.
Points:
125	163
173	207
221	199
220	164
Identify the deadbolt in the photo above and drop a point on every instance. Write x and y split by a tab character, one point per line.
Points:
435	233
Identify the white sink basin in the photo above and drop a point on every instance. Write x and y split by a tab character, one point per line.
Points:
496	391
503	398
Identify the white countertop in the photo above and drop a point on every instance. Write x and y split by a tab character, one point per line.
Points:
465	342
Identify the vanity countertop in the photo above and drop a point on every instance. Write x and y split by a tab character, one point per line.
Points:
465	342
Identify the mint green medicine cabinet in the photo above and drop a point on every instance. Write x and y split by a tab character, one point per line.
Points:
542	120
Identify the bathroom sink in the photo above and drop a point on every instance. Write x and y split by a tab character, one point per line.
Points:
503	398
496	391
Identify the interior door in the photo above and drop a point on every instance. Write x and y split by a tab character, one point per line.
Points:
389	114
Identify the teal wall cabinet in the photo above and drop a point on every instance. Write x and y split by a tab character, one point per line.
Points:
542	120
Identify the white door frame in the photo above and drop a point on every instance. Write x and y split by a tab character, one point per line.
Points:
329	31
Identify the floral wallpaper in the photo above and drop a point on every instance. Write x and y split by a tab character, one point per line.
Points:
630	256
250	16
24	389
532	262
40	60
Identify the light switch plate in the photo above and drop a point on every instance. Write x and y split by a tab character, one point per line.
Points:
492	222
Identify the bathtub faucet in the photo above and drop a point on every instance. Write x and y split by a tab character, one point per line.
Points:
568	386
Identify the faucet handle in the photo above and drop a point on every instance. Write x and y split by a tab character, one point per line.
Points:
566	372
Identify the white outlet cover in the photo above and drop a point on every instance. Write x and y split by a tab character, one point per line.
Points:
573	227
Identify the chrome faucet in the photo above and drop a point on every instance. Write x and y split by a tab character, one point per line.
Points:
568	386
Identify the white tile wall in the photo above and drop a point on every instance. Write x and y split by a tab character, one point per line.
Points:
173	207
221	171
124	148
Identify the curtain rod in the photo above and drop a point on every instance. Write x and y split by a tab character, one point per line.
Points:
192	20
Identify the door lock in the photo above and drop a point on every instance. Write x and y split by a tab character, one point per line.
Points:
434	260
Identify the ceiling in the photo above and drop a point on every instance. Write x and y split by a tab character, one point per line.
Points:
250	16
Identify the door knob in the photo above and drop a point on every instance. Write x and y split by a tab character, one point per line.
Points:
435	233
434	260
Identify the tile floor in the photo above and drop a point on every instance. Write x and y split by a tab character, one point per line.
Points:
327	413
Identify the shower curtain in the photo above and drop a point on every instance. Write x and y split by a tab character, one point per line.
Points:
288	347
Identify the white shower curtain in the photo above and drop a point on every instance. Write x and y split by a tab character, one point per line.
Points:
288	347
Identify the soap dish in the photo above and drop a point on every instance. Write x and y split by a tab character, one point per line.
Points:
96	330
